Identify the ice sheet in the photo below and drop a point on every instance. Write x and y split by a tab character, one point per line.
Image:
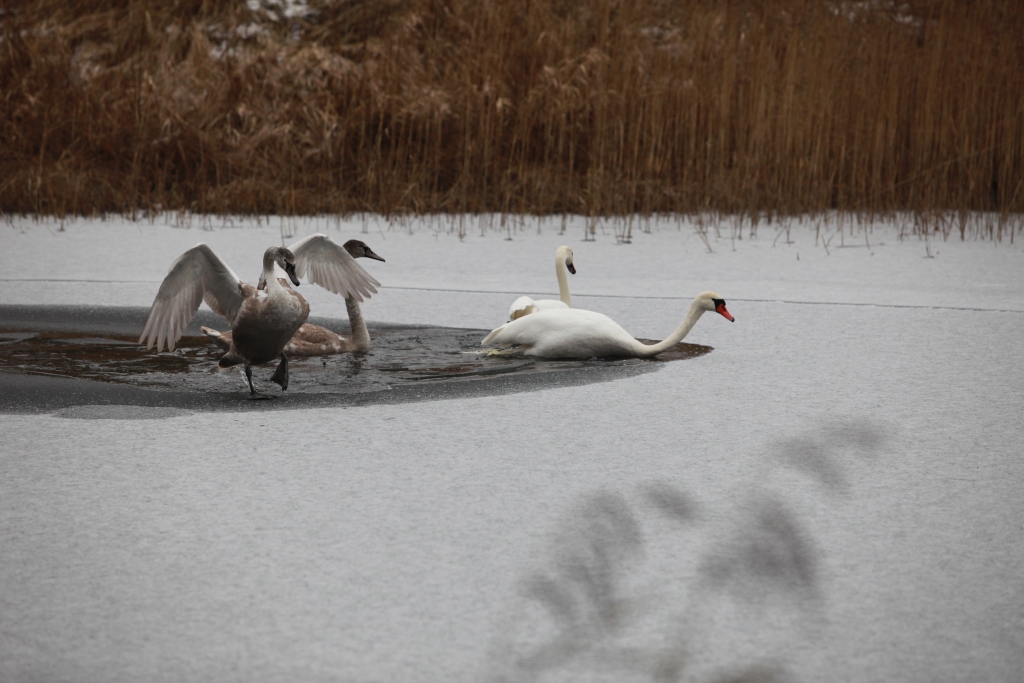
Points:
832	494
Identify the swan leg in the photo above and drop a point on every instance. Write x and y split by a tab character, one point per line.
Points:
253	394
248	378
281	374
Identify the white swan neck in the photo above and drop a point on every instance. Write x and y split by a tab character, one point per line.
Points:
692	316
269	276
563	280
360	335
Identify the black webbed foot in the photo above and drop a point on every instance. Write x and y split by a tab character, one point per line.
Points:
281	374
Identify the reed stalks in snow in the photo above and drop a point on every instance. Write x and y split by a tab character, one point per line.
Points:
597	107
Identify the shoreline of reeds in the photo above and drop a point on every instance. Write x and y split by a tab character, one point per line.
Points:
598	108
844	229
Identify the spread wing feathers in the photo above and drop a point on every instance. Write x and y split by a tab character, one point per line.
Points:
328	264
197	275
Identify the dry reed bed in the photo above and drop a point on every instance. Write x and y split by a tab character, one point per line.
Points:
599	107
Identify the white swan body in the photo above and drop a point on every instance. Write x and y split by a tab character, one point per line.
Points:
524	305
579	334
261	324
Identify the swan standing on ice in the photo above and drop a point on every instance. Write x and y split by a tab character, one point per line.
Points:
524	305
313	340
579	334
262	321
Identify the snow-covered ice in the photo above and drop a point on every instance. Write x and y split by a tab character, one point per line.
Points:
831	494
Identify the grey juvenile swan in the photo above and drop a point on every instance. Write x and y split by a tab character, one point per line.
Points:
313	340
262	320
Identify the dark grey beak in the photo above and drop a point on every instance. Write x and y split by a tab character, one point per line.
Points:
290	269
370	253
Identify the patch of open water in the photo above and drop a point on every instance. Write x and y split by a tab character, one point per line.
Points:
405	363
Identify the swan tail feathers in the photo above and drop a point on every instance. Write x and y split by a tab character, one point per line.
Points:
489	339
513	351
230	359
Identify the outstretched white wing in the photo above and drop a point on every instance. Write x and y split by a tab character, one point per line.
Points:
330	266
197	275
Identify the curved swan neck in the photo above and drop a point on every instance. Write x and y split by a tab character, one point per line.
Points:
563	281
360	336
692	316
269	277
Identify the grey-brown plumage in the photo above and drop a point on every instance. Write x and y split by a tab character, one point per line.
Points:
264	319
314	340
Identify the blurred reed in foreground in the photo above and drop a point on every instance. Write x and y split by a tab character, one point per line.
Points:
598	107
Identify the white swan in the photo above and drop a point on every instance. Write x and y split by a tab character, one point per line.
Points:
575	333
524	305
262	322
313	340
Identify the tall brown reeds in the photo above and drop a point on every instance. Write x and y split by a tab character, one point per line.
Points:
599	107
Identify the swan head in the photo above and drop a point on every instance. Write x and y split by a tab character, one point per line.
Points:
284	258
359	249
564	254
711	301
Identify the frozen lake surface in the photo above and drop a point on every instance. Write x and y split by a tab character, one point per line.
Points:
832	494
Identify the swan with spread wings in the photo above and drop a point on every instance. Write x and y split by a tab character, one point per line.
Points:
313	340
264	318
